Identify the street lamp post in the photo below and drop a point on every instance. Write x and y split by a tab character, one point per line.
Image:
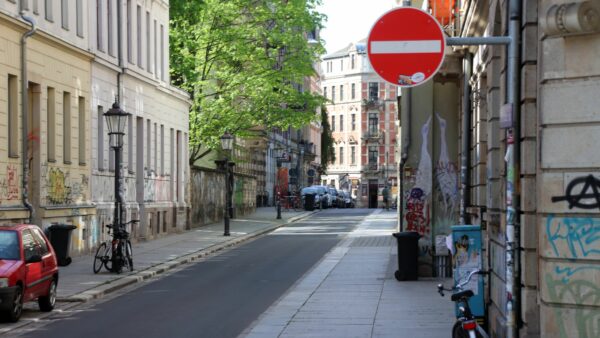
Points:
116	119
227	146
277	189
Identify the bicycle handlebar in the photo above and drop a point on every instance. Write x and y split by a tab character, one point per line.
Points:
460	285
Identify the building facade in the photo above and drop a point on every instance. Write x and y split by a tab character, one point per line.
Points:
523	166
362	111
48	76
73	74
155	166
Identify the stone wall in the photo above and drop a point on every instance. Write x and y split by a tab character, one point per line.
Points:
208	196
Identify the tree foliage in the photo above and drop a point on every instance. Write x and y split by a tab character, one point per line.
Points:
242	61
327	149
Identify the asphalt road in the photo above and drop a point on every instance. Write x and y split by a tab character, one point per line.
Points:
218	297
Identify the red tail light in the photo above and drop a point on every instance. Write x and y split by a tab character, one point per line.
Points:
470	325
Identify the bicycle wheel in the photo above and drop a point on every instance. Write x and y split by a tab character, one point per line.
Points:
99	258
129	254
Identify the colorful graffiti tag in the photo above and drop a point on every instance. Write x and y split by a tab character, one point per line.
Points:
417	215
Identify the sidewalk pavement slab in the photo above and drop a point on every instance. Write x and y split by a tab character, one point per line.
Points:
78	283
352	292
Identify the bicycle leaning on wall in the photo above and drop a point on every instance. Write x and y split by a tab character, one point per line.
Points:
116	253
466	325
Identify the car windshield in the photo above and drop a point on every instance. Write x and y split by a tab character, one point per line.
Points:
9	245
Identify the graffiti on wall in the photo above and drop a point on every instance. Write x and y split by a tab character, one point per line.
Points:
9	186
588	197
156	188
62	188
446	175
573	237
573	282
417	212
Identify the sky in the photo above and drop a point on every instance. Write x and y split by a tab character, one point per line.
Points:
350	20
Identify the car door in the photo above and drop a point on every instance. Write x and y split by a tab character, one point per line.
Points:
33	271
48	260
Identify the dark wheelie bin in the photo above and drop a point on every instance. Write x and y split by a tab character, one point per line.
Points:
408	255
309	202
60	238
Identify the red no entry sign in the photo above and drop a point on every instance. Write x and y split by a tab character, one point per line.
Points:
406	46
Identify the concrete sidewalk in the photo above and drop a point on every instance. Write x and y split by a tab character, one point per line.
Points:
79	283
352	292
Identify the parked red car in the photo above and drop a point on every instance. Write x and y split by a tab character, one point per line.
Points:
28	270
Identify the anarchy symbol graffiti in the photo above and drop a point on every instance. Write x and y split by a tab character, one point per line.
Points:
585	199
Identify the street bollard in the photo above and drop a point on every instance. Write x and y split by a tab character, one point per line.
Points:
278	210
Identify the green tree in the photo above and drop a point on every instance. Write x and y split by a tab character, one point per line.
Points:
242	62
327	150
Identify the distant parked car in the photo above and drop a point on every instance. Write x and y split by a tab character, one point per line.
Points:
336	200
28	270
348	200
325	198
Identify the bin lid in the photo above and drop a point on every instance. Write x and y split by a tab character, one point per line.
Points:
62	227
406	234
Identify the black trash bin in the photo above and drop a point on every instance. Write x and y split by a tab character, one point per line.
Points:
309	202
60	238
408	255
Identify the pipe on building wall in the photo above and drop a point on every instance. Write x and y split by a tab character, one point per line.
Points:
25	112
513	171
120	48
406	134
466	138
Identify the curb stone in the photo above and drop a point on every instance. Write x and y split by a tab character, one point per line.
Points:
140	276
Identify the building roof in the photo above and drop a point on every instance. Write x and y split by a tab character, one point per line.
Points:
359	46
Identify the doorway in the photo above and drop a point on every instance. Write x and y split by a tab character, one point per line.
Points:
373	193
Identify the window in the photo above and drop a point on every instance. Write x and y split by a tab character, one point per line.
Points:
373	155
353	122
48	10
333	123
13	116
162	149
43	246
51	124
30	248
139	36
373	123
148	37
332	93
100	130
99	27
352	155
148	144
130	142
67	127
352	61
109	26
64	10
341	155
156	70
155	166
373	91
325	92
10	245
36	8
79	17
24	4
82	124
162	52
341	64
129	32
341	122
353	91
341	92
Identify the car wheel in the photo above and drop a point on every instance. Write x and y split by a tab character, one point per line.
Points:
16	308
47	303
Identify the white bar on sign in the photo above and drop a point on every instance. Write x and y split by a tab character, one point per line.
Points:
406	47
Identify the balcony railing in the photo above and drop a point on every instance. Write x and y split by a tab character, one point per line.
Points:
374	103
372	135
370	168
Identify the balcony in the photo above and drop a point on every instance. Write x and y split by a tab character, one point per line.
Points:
371	168
372	103
372	136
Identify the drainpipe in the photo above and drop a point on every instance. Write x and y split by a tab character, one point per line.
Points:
513	171
466	138
404	155
25	112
